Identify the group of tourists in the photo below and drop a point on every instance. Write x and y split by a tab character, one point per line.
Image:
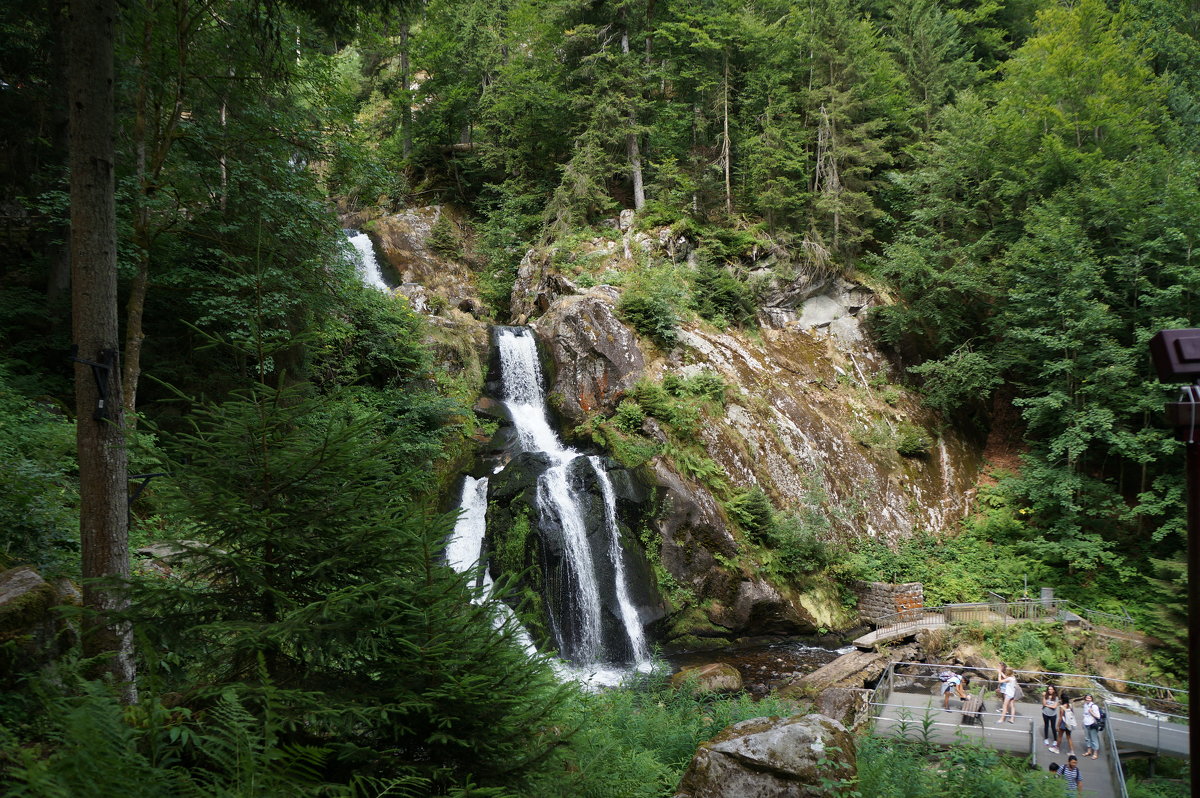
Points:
1058	720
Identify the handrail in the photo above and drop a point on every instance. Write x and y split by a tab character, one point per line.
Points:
1114	760
1165	693
1021	610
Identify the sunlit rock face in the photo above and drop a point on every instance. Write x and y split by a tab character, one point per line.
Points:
594	357
772	758
812	427
812	418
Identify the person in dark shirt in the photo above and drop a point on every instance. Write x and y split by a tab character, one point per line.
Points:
1071	774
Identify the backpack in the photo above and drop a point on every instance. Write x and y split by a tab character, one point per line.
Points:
1102	720
945	676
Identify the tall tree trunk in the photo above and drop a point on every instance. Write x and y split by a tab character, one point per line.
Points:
406	99
631	141
103	467
726	148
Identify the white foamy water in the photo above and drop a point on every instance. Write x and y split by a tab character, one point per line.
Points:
560	505
369	269
465	548
466	544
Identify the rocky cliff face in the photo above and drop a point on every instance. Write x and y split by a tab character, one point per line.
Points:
811	419
809	416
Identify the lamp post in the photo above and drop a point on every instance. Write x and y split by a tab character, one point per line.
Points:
1176	355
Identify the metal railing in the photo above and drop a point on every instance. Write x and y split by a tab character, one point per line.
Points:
980	612
1114	760
996	610
1168	702
927	724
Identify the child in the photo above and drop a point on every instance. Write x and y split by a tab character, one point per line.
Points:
1071	774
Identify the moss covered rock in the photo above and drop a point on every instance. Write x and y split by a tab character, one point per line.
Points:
772	758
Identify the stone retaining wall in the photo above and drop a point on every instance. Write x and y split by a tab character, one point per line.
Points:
879	599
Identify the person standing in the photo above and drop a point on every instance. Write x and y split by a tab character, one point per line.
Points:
1071	774
1066	723
1091	727
1050	715
1008	692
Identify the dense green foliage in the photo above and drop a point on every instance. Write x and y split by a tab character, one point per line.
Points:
1020	175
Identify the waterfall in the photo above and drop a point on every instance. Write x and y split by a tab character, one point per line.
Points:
465	548
561	496
466	543
372	275
633	626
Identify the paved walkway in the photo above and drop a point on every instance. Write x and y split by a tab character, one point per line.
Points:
917	714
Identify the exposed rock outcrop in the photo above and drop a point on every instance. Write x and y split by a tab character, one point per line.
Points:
594	358
855	669
717	677
433	281
771	758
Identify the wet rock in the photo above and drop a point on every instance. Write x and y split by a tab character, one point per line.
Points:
848	705
854	669
717	677
771	758
594	357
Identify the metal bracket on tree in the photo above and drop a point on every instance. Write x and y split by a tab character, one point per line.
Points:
100	372
145	480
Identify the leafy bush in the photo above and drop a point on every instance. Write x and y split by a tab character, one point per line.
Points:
753	512
635	742
38	516
629	416
444	239
798	546
651	304
704	385
651	313
721	297
911	440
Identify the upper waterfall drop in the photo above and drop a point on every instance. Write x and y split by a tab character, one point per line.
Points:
592	551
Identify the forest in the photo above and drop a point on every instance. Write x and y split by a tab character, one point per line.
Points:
1018	179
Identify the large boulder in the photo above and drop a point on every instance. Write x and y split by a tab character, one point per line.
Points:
716	677
594	358
772	758
848	705
31	631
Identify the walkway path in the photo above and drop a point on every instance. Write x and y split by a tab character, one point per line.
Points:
911	706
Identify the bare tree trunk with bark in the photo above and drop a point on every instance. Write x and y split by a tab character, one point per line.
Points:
103	467
632	150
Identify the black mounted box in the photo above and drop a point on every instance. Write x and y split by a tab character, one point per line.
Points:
1176	355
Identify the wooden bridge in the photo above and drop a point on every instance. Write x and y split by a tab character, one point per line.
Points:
907	621
908	703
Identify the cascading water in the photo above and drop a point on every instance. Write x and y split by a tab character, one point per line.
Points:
372	275
561	500
465	548
466	544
